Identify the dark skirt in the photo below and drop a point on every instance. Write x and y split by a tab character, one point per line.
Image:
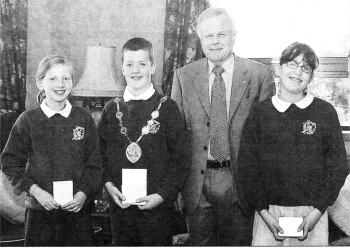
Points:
59	228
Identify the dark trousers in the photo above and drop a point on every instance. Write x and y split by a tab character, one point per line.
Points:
58	228
218	219
135	227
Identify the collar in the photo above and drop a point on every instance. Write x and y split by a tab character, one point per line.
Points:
144	96
49	112
282	106
227	65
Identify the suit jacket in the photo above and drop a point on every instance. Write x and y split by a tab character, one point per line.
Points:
252	82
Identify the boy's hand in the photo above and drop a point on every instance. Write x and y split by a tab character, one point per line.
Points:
309	223
272	224
117	196
77	203
152	201
45	199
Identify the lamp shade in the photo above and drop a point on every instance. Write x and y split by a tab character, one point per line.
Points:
99	78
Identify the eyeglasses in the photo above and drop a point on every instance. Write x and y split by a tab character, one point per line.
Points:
294	65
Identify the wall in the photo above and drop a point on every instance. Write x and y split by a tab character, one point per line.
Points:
66	27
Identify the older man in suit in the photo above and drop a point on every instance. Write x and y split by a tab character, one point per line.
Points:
215	95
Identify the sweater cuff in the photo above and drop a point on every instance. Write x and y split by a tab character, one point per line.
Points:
106	178
163	193
261	207
84	188
26	184
321	207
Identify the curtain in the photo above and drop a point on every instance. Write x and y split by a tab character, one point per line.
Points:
13	54
181	43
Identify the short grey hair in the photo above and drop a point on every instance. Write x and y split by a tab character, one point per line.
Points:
212	12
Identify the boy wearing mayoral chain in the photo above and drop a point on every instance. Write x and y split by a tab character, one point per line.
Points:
142	130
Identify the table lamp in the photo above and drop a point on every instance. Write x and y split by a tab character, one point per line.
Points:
99	79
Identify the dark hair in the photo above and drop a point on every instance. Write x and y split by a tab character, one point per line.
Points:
136	44
45	65
296	49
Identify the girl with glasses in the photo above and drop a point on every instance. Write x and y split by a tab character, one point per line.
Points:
292	157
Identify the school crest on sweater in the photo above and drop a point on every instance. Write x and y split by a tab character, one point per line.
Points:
309	127
78	133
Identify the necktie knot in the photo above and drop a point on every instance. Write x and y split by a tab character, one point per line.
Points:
218	70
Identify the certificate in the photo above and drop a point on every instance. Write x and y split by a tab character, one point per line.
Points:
63	191
290	226
134	185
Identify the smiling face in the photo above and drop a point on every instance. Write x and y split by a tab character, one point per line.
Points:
217	38
57	85
293	82
137	70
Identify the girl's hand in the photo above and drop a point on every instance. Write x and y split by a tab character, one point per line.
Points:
309	223
152	201
45	199
117	196
76	204
272	224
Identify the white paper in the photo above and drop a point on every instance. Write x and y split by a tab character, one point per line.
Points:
63	191
134	185
290	226
134	192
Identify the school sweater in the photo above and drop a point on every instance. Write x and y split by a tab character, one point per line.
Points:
292	158
56	149
164	153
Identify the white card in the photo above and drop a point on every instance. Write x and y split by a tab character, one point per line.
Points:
134	176
134	192
63	191
290	226
134	185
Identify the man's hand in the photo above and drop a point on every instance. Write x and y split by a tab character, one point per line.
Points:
179	204
272	224
116	195
152	201
45	199
76	204
309	223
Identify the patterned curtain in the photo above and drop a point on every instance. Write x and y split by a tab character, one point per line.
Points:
181	43
13	54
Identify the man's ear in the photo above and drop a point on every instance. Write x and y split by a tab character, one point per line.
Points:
234	33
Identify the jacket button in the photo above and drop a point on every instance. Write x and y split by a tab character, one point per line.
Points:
205	148
208	124
202	172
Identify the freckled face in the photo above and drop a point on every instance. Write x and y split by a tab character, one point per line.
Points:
138	69
57	84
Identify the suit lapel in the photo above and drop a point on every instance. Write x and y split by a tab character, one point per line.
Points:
201	84
239	84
